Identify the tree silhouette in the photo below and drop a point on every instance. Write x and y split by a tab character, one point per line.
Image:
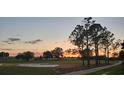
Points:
72	51
96	38
4	54
121	53
91	34
107	41
68	51
85	52
77	37
88	33
115	46
122	44
26	55
84	35
57	52
47	54
19	56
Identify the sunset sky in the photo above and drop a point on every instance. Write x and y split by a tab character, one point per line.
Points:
46	33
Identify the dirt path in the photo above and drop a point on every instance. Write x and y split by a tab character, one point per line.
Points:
81	72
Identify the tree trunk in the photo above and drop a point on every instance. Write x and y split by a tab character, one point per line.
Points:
96	53
88	59
82	56
108	55
105	56
83	61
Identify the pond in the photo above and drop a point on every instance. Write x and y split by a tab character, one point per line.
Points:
36	65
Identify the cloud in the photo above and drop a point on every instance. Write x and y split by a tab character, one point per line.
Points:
56	42
11	40
7	42
14	39
6	49
34	41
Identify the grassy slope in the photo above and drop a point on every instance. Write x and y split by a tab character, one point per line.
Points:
117	70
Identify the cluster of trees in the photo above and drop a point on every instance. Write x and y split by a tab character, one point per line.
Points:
56	53
121	54
26	55
4	54
71	51
92	36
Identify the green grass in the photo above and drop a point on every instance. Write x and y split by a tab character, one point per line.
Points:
117	70
12	70
9	67
13	60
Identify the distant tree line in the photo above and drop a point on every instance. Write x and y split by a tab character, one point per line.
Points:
4	54
26	55
56	53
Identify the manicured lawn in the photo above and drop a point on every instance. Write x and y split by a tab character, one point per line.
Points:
117	70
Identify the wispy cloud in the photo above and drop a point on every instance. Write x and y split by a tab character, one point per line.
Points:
6	49
14	39
34	41
7	42
11	40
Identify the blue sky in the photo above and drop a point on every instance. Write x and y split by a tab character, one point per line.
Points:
52	31
31	28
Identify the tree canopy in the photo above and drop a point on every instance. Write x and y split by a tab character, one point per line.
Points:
25	55
47	54
57	52
4	54
91	35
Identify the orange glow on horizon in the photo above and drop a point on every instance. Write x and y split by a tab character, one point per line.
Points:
39	52
71	55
